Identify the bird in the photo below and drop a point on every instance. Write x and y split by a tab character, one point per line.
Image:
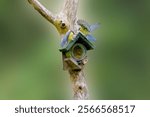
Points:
87	29
67	38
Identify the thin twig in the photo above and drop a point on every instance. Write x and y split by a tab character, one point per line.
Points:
42	10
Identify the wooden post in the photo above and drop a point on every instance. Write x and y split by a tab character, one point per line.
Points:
64	21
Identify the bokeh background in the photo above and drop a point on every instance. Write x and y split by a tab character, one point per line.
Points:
118	68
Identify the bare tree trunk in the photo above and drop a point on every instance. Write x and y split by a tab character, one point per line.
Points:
79	85
69	16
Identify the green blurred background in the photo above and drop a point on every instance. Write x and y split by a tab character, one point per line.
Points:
30	62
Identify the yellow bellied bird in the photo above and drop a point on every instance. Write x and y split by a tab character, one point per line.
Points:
67	38
86	29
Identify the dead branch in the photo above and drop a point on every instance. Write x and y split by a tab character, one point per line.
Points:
42	10
64	21
70	10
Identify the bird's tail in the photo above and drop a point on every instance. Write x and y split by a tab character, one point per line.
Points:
94	27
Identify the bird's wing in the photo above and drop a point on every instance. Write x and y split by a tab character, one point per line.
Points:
91	38
94	27
65	39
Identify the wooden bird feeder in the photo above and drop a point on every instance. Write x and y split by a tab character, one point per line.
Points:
75	52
